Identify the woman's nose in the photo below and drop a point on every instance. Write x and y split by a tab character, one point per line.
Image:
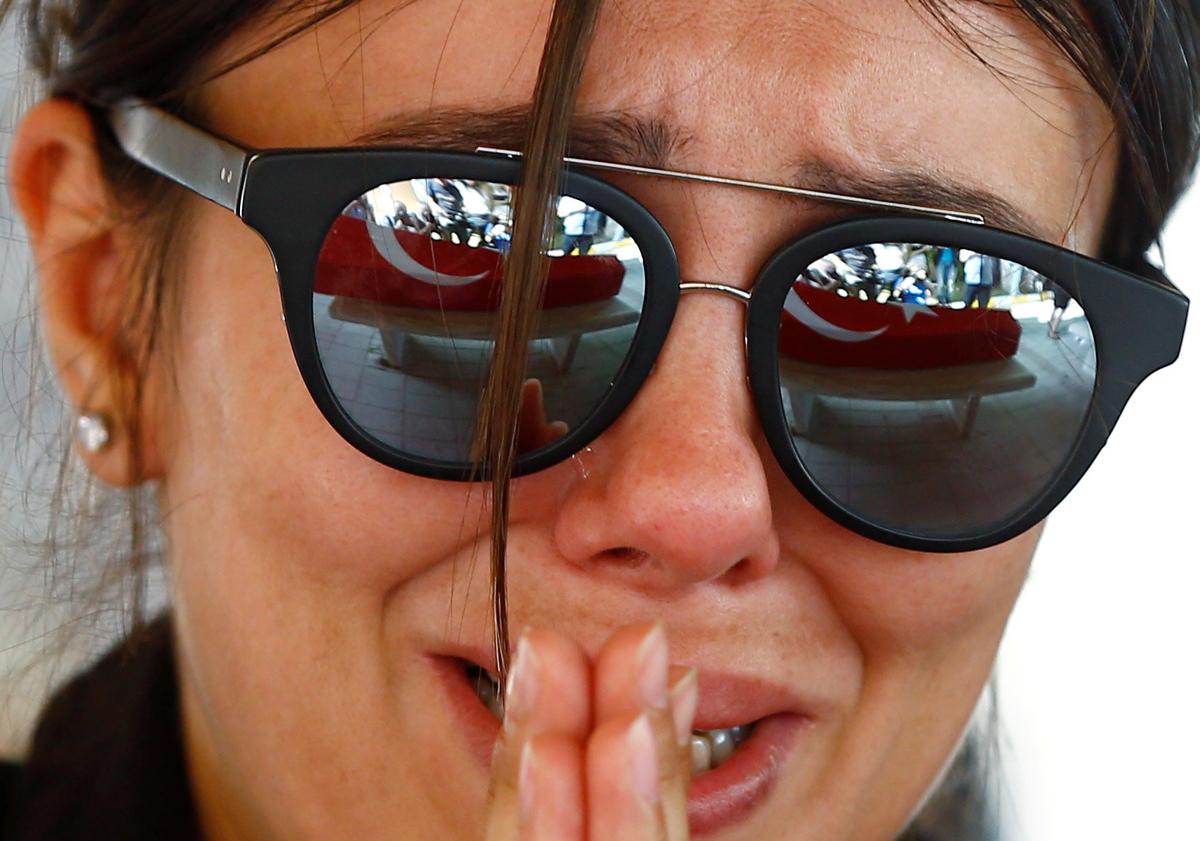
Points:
677	493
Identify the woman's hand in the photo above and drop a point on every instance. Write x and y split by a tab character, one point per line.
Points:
594	750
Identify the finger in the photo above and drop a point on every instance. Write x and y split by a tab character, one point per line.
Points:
674	734
684	696
632	676
533	430
548	692
550	791
632	671
623	787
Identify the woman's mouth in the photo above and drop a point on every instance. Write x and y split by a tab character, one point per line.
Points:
710	748
733	766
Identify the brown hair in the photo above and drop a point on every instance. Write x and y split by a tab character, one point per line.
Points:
525	274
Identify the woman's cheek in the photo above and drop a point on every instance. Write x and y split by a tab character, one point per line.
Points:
894	602
255	454
905	604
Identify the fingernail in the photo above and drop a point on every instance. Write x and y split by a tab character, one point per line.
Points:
642	760
521	692
525	782
685	697
652	662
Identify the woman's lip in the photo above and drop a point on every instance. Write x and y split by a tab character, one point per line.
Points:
727	699
479	727
716	799
731	791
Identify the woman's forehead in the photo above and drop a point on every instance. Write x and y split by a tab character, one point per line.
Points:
750	88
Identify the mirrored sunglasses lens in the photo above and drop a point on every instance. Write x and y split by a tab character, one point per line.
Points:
405	301
933	390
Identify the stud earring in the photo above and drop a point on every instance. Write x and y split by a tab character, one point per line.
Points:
92	432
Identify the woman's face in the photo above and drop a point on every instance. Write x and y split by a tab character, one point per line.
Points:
318	593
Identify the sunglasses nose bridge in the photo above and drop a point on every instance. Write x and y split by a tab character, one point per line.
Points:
720	288
740	295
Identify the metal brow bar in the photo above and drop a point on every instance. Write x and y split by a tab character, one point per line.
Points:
202	162
952	215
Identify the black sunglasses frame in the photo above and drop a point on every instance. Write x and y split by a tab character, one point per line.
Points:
291	197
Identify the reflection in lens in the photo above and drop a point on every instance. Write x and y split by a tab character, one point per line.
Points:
404	302
929	389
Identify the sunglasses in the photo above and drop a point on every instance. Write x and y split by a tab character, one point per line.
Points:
923	379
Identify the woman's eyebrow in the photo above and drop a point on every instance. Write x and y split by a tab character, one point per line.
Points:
919	186
619	137
625	138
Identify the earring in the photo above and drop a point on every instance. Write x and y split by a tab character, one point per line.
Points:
92	432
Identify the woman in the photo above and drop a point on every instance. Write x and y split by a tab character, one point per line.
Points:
715	579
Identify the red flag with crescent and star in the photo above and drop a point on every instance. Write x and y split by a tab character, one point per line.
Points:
367	261
825	328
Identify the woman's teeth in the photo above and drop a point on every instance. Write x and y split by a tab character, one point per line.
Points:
710	748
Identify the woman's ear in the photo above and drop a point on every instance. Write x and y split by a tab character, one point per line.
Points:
81	258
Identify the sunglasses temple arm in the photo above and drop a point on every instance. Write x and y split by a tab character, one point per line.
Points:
195	159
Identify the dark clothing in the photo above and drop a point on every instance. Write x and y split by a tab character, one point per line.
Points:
1062	298
980	292
993	274
583	242
107	759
